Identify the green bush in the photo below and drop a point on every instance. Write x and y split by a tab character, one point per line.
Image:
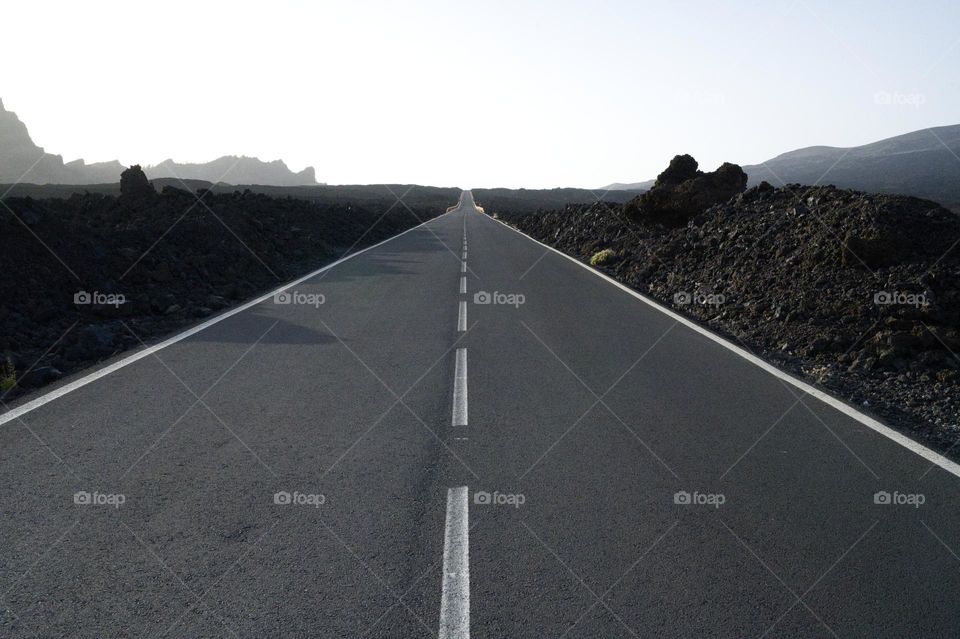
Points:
8	375
601	258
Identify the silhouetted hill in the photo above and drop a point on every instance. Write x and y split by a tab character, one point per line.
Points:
924	163
23	161
629	186
235	170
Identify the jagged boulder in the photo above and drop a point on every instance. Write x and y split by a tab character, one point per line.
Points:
682	192
134	185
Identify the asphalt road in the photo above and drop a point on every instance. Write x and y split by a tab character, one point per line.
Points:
502	445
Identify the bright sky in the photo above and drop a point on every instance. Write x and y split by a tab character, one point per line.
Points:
476	94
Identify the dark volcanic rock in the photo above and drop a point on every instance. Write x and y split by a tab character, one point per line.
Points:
681	168
682	192
869	252
134	184
39	376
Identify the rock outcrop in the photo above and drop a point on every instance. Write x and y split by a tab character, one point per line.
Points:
134	186
682	192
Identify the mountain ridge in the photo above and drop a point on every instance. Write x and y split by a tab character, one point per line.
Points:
21	160
240	169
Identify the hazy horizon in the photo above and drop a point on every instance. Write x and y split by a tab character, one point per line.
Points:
500	95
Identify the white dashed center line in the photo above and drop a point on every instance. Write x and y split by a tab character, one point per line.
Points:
460	389
455	597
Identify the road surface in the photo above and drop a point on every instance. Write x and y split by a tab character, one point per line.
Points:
460	432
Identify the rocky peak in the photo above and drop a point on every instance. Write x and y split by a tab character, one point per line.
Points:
18	153
13	132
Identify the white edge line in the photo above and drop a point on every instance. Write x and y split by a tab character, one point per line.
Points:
56	393
460	389
455	593
888	432
462	317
